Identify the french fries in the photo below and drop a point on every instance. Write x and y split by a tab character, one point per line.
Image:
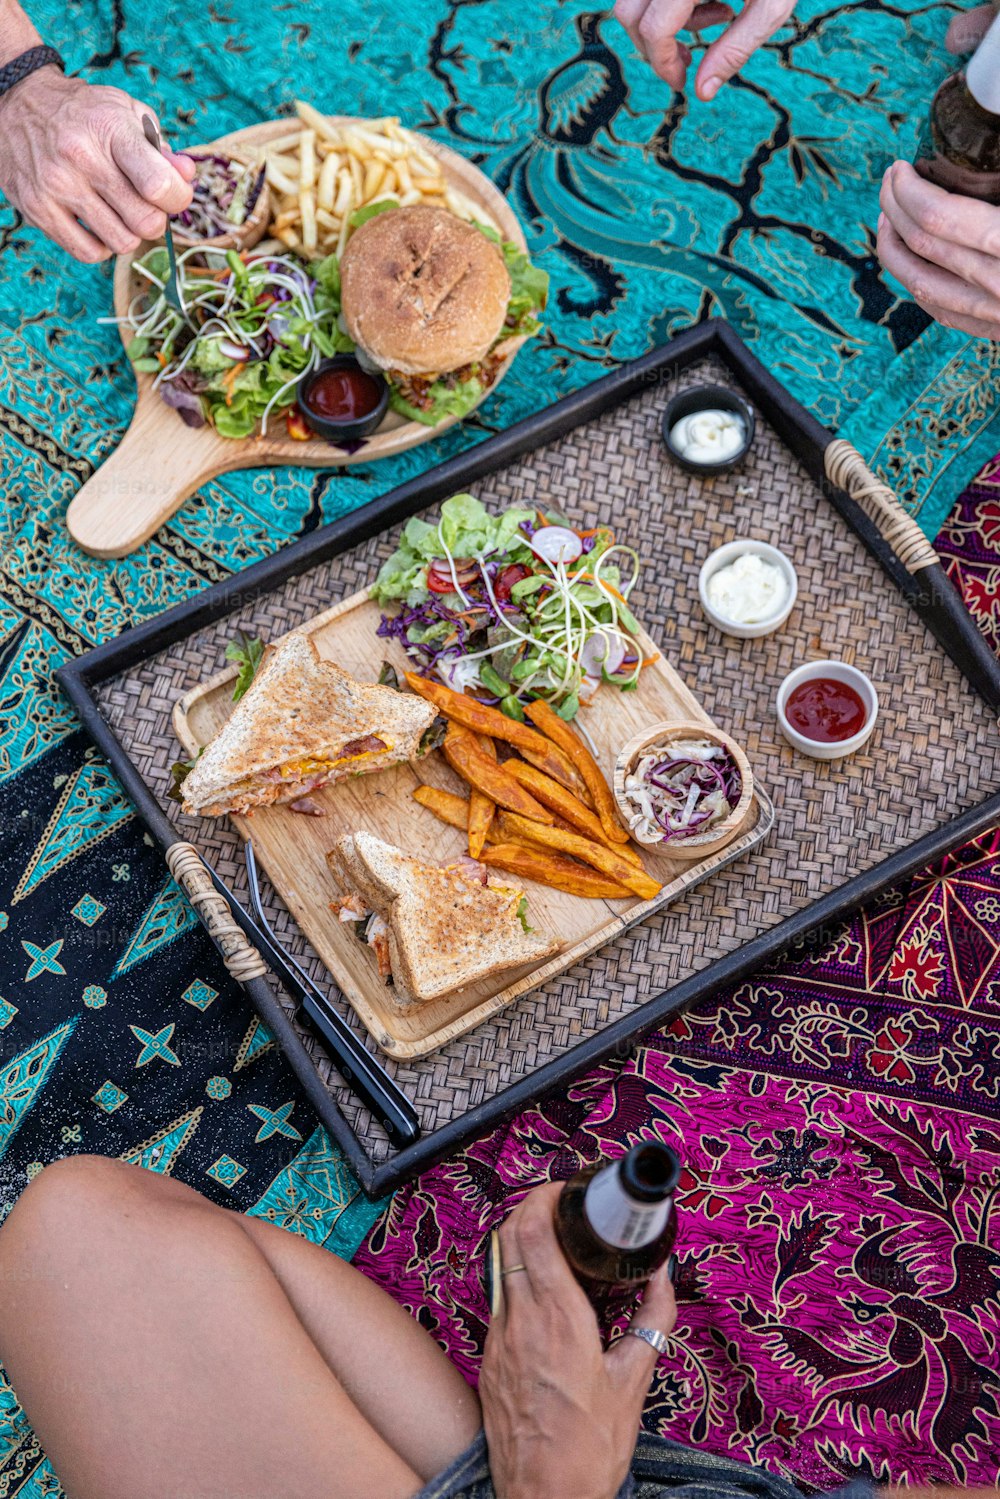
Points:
322	174
558	799
446	806
464	756
523	857
481	808
552	869
527	820
485	720
553	727
596	854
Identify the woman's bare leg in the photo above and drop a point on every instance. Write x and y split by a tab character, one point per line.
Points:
165	1347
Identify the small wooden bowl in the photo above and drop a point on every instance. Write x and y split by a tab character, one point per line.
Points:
241	236
701	844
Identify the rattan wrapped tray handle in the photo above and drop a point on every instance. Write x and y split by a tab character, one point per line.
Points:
846	468
240	956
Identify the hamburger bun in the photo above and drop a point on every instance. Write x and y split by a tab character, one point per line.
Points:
422	291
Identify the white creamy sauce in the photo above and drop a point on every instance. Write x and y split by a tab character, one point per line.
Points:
709	436
748	590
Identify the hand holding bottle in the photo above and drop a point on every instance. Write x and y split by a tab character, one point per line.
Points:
939	231
561	1415
945	249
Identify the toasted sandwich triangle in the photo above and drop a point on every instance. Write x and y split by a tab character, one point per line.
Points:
307	718
446	930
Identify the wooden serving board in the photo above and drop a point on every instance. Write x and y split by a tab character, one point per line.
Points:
160	461
292	847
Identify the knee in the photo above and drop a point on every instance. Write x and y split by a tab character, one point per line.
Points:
67	1204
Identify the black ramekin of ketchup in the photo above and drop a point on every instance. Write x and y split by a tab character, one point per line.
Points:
827	709
343	402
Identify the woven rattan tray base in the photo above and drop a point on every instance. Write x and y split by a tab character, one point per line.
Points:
935	751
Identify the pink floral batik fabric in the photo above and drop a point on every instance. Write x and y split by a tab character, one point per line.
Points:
839	1120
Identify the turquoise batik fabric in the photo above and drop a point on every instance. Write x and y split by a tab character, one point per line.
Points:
120	1031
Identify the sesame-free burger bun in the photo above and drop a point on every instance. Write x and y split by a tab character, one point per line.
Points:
422	291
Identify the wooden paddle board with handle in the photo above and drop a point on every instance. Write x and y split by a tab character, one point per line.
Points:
160	461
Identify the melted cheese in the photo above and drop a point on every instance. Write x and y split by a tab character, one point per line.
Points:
309	766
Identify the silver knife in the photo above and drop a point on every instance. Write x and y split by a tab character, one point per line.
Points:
172	290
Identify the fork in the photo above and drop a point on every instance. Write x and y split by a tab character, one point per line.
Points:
172	290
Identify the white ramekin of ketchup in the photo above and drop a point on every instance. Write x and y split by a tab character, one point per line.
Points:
827	709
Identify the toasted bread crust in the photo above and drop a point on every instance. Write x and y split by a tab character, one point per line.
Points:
446	932
300	712
423	292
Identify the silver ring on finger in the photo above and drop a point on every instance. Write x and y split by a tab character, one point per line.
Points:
651	1335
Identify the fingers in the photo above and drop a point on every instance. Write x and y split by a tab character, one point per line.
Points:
107	226
659	1304
141	219
968	29
906	211
956	303
184	164
631	1359
943	215
756	24
528	1238
151	174
972	325
60	225
653	27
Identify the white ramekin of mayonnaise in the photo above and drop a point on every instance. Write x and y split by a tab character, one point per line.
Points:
747	588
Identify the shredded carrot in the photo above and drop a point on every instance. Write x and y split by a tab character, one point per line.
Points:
649	660
229	381
594	531
162	358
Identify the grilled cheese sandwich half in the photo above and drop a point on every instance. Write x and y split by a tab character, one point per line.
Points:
304	723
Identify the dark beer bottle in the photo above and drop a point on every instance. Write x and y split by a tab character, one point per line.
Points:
616	1221
960	146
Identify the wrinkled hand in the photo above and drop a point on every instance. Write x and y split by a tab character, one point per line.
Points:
561	1415
945	249
74	160
653	26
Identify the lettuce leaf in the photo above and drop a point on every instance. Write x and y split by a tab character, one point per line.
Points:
448	400
529	287
370	210
467	528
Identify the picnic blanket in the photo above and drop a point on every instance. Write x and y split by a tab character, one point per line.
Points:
119	1029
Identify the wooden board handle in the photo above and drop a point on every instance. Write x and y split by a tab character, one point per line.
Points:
158	463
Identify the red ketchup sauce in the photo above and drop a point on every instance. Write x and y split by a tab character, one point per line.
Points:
825	710
343	395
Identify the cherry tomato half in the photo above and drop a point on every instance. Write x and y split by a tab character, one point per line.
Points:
507	578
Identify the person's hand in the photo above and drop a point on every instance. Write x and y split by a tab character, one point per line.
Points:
653	26
944	248
74	161
561	1415
966	30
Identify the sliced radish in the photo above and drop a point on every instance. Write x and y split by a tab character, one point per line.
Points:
233	350
602	652
556	544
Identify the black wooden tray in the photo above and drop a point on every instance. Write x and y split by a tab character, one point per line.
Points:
929	780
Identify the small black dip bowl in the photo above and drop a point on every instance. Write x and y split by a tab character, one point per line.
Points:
350	429
708	398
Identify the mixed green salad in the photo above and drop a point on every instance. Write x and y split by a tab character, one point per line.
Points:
254	326
514	606
254	329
